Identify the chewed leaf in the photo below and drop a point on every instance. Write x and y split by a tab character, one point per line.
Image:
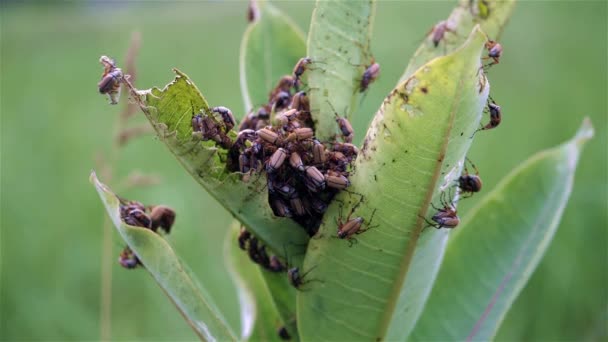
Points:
502	240
159	259
170	111
412	153
491	16
338	44
271	46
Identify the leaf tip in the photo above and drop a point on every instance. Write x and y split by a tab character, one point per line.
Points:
93	177
584	133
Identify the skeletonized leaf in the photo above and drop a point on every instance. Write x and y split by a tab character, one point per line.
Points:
159	259
338	44
170	111
491	257
270	48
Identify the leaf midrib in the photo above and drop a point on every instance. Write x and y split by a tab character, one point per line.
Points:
395	292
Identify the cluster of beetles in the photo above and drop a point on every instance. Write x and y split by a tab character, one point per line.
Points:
303	174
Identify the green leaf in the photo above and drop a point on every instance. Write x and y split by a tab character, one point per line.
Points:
462	19
430	250
284	297
413	151
492	255
259	316
270	48
338	44
159	259
170	110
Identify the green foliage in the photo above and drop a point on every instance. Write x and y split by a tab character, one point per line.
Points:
490	259
460	23
259	314
423	129
61	124
270	48
170	111
339	46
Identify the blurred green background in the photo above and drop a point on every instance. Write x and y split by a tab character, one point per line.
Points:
54	124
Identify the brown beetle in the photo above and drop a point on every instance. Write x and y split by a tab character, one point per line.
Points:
297	205
284	85
128	259
280	101
243	238
315	181
281	209
468	183
296	161
438	32
369	75
445	217
138	218
318	153
299	70
336	180
275	264
253	12
163	217
300	102
494	52
226	115
276	160
495	116
350	227
300	134
268	135
283	333
296	279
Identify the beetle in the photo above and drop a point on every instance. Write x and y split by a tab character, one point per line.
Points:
128	259
438	32
300	134
315	181
243	238
138	218
281	209
285	84
297	205
369	75
226	115
268	135
299	69
336	180
495	116
275	264
163	217
276	160
300	102
468	183
350	227
296	279
283	333
445	217
110	85
281	100
494	53
296	161
318	153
